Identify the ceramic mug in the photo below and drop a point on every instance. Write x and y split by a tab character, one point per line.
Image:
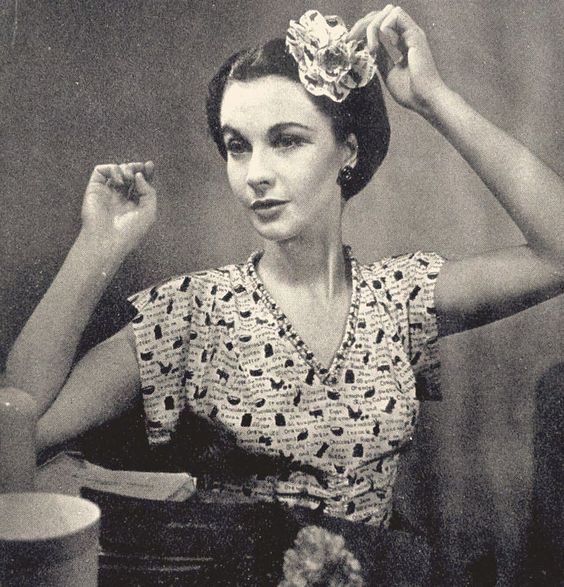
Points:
48	540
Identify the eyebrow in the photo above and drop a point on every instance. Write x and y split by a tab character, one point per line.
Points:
281	126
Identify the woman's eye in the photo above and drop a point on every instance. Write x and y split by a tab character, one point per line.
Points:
236	146
289	141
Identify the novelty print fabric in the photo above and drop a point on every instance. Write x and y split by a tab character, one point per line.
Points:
217	341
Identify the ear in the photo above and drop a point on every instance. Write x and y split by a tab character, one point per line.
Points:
350	150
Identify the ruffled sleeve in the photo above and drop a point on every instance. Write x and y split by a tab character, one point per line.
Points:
422	342
407	292
162	329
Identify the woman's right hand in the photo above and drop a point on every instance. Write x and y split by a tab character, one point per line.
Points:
119	205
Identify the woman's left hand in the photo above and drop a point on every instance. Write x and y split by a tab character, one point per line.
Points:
403	56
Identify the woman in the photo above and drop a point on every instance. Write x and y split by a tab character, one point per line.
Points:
301	352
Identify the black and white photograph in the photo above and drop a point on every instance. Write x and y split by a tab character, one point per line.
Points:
281	293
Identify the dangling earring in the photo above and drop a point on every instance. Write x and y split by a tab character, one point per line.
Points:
345	175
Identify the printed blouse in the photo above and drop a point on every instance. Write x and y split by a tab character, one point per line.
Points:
216	341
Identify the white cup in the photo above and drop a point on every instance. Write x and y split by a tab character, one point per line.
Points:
48	540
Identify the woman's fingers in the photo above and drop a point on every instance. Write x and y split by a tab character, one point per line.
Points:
359	28
399	27
123	177
109	173
374	27
391	27
360	31
129	170
144	189
136	177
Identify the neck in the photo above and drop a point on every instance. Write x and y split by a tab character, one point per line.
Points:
318	266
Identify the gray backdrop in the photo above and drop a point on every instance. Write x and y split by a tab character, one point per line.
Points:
86	82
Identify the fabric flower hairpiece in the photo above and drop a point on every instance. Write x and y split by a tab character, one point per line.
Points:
329	64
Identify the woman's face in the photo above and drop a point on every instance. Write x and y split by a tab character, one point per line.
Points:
282	158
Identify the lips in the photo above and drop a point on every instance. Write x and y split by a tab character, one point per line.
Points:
267	204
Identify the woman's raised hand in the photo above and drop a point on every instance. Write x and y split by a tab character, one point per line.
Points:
403	56
119	205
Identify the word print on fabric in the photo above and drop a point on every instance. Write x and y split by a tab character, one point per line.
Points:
216	342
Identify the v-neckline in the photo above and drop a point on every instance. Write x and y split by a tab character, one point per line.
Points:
287	329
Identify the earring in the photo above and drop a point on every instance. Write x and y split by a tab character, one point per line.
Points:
345	175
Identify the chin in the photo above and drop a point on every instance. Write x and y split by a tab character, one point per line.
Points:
275	232
276	229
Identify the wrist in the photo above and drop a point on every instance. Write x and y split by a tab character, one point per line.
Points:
97	254
100	248
438	103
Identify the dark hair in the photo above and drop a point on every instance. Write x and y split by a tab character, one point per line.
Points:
362	113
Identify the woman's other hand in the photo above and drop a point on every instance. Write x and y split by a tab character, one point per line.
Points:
119	205
118	209
403	56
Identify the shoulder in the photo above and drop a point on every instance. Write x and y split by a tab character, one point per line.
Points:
410	264
400	274
200	286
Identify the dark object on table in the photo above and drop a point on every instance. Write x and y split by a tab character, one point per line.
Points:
210	541
198	542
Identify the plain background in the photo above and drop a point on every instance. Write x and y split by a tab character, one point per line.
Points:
87	82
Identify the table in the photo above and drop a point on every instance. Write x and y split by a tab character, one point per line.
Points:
208	540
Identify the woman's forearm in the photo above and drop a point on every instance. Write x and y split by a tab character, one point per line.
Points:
41	358
529	190
103	384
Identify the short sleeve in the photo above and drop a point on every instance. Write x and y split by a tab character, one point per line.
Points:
162	328
423	340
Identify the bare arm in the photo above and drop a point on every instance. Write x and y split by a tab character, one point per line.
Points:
484	288
113	224
43	353
103	385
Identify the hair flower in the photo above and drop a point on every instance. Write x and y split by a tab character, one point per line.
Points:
329	63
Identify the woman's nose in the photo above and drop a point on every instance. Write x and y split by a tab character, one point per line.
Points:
260	173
